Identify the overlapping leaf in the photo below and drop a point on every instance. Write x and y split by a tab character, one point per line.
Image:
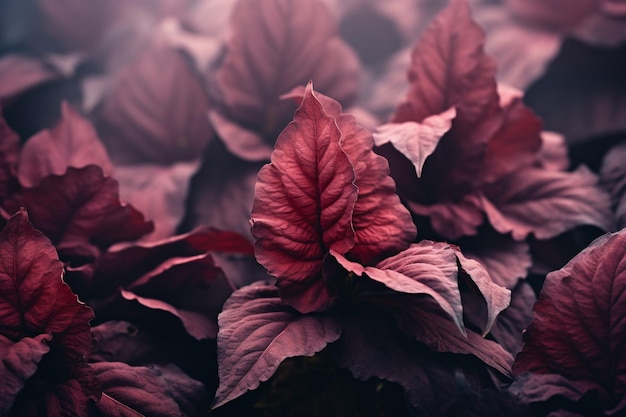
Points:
42	320
73	142
578	331
303	205
275	46
80	211
257	332
9	152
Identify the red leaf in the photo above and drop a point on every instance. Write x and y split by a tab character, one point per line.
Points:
579	325
546	203
277	45
257	332
81	211
36	302
453	219
156	110
303	205
9	151
73	142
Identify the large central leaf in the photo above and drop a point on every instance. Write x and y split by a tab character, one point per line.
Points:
303	205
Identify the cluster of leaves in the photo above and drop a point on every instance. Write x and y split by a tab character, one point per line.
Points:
296	258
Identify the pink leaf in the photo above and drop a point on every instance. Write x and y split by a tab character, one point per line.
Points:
416	141
20	73
453	219
527	202
277	45
73	142
257	332
156	110
579	325
303	205
512	322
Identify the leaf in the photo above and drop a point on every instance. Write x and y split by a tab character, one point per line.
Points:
159	391
73	142
159	192
428	268
613	179
514	320
303	206
9	152
18	73
81	211
578	330
18	362
506	260
372	347
526	202
36	303
416	141
257	332
277	45
156	110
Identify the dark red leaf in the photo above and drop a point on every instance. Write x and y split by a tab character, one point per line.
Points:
275	46
9	151
156	110
159	391
546	203
73	142
257	332
303	205
372	347
579	325
36	302
81	211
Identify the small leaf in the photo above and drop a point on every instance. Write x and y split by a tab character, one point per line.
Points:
9	152
257	332
73	142
416	141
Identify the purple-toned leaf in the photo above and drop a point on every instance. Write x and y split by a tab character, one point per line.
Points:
277	45
36	302
9	151
257	332
496	298
579	325
613	176
416	141
156	110
372	347
428	268
506	260
453	219
18	362
527	201
553	152
159	192
303	206
160	391
19	73
80	211
511	323
73	142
